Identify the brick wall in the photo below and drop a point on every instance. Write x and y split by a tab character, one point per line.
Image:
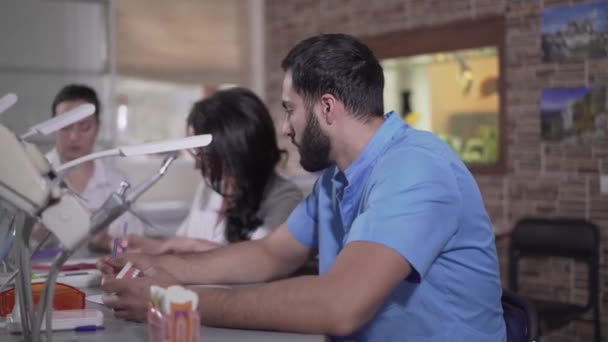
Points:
547	179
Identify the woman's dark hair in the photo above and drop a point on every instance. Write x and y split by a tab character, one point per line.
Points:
244	148
340	65
77	92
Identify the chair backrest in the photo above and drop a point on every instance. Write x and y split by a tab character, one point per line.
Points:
575	238
558	237
521	318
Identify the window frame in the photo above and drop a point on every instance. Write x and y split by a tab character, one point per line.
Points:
470	34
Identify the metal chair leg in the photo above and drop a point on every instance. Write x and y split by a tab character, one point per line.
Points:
597	324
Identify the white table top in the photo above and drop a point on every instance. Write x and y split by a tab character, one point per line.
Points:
119	330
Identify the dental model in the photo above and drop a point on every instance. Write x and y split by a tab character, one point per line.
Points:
173	314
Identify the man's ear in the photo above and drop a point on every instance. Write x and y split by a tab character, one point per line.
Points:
328	108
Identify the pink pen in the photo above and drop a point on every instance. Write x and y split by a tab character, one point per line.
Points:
120	242
124	242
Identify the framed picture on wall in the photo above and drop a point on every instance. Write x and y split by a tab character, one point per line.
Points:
575	31
568	113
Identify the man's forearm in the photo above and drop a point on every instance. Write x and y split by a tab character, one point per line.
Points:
337	303
297	304
244	262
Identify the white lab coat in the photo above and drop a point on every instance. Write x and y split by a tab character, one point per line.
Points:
280	197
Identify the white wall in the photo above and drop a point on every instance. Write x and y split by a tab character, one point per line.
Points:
392	95
45	45
400	76
417	81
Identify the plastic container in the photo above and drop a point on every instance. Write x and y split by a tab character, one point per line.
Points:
66	298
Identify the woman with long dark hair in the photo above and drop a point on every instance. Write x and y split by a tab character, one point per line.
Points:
242	197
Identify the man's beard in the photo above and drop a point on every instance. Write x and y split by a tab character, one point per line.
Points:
314	146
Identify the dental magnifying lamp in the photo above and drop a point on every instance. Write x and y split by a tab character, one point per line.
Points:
60	121
9	236
46	127
142	149
85	110
42	195
114	206
7	101
49	126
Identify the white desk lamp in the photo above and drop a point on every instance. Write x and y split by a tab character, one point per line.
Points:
41	195
24	182
60	121
142	149
7	101
46	127
29	196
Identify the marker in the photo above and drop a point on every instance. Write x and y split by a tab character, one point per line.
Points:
85	328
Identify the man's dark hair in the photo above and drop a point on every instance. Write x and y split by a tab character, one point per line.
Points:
77	92
244	148
340	65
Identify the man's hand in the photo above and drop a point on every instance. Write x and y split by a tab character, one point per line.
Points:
129	298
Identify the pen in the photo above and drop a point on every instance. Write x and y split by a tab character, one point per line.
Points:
44	276
73	274
115	248
121	243
84	328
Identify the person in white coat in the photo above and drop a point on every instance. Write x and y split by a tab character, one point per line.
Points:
92	181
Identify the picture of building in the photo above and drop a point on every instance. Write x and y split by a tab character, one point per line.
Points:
574	31
568	112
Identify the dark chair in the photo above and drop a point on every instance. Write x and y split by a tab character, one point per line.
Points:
521	319
571	238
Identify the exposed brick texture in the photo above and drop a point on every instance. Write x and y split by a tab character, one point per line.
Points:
542	178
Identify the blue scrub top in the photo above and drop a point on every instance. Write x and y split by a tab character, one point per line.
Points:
410	192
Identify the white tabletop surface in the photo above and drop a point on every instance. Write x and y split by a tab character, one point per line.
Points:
118	330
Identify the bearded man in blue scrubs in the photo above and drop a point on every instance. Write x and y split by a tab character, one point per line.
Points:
406	248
